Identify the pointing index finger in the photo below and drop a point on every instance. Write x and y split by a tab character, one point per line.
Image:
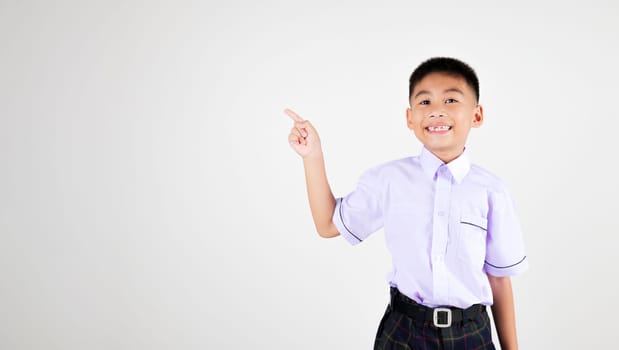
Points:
293	115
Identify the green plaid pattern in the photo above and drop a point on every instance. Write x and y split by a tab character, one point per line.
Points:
397	331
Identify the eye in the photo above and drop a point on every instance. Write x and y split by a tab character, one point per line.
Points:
424	102
451	100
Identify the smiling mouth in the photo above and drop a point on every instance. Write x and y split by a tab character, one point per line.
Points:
438	128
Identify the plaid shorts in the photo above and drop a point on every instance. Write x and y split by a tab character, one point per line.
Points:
398	331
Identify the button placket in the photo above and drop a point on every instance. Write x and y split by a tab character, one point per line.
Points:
442	200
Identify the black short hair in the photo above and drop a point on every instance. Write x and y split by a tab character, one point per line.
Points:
447	65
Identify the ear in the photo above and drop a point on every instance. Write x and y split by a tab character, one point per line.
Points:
478	117
409	118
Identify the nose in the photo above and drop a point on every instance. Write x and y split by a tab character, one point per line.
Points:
437	113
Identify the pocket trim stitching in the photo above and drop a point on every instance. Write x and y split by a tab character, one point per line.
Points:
480	222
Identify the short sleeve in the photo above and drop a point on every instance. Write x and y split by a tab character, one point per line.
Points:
505	251
359	214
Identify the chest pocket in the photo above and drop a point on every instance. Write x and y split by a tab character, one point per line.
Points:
472	239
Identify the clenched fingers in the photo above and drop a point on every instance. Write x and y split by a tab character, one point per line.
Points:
296	137
302	128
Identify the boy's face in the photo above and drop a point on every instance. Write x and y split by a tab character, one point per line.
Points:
443	111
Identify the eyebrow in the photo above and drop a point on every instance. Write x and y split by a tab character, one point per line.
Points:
446	91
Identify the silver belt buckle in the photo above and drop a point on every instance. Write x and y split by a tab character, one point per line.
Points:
435	317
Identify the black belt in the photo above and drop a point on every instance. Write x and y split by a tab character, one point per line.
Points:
441	317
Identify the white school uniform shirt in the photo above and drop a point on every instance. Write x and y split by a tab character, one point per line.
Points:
446	227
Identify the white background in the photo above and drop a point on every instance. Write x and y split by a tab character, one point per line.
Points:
149	198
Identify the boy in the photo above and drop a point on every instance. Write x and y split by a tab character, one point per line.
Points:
450	226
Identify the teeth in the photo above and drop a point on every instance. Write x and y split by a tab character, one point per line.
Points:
439	128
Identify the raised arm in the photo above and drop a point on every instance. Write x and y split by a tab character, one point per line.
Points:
304	140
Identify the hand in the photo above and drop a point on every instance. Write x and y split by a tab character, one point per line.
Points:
303	137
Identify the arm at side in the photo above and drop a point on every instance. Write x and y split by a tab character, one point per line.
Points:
503	311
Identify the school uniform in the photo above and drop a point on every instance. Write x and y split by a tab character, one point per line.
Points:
446	226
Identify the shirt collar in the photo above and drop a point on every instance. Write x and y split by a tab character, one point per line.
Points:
458	167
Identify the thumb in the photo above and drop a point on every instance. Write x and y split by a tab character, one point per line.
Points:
305	127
